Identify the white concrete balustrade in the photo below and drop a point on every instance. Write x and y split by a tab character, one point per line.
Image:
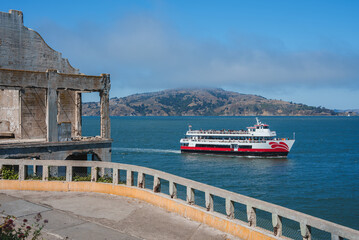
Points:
304	221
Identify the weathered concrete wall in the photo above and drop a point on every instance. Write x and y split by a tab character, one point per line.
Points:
10	110
33	113
24	49
42	90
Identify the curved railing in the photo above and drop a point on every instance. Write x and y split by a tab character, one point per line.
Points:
280	218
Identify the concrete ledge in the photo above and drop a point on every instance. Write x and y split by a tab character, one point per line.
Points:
233	227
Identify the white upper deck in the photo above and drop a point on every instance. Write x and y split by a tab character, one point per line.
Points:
258	130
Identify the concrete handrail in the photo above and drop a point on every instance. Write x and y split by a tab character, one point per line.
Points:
305	221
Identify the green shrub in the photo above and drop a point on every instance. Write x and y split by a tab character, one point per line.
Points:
9	173
33	177
81	179
62	178
105	179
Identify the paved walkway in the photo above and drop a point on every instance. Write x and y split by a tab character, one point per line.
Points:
73	215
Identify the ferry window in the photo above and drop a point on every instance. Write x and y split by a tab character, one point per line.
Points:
265	127
245	146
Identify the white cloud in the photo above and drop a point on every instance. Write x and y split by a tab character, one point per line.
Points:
144	53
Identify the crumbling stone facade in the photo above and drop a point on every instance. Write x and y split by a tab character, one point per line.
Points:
40	99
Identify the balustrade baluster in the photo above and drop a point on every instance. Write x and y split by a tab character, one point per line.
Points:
305	231
141	180
45	173
190	195
115	176
251	216
22	172
68	173
156	184
93	174
129	178
209	201
277	225
229	208
173	189
336	237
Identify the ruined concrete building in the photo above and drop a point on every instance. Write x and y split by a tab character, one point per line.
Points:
40	99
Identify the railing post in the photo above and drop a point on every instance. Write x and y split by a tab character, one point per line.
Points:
156	184
115	176
305	231
68	173
34	167
45	173
190	195
140	180
101	171
129	178
229	208
93	174
173	189
336	237
209	201
21	172
277	225
251	216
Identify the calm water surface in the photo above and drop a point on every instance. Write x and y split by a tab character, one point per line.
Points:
320	176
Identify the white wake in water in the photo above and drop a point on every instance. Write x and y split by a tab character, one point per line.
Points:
146	150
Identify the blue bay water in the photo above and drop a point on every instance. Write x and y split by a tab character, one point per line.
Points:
320	177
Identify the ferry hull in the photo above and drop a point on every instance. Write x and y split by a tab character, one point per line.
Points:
238	153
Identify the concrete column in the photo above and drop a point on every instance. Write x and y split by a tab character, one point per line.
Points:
68	173
190	195
45	173
115	176
51	106
93	174
173	189
277	225
105	107
251	216
305	231
141	180
156	184
129	178
209	201
229	208
78	114
22	172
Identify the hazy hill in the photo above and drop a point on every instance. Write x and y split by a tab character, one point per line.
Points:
201	102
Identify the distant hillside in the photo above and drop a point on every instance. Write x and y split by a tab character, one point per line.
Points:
202	102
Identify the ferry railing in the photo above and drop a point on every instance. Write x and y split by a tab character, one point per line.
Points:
232	140
280	221
216	132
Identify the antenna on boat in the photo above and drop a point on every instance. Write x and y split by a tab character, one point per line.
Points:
258	122
293	135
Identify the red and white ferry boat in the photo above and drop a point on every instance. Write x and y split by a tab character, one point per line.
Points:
258	140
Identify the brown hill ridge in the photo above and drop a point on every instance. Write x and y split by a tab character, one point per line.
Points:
202	102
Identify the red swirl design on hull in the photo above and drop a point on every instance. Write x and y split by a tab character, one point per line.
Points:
280	145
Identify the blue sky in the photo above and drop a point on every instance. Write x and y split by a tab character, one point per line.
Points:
300	51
